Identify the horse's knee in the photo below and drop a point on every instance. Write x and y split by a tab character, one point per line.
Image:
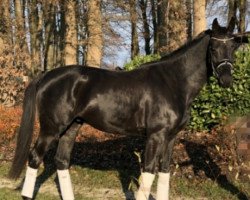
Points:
34	159
62	158
64	149
61	163
152	153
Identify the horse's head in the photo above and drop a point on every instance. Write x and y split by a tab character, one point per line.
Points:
222	45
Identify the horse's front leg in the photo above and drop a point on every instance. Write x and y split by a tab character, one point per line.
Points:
164	168
62	160
151	159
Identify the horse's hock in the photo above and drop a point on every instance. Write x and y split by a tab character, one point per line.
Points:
243	144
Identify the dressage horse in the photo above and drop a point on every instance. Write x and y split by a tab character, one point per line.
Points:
153	101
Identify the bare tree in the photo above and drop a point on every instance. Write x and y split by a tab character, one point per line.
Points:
199	17
36	27
177	25
134	33
94	32
242	20
232	9
49	37
146	29
155	26
4	21
189	5
20	38
162	24
71	33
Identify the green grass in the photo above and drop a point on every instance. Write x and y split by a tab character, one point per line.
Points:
209	189
95	178
9	194
87	183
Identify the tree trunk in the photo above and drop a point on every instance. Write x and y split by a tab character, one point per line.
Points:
70	54
134	33
232	9
21	51
146	31
20	32
94	32
189	5
155	27
242	21
177	24
61	31
199	17
36	26
4	29
49	17
162	19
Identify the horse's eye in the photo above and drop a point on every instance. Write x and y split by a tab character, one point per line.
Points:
234	46
213	49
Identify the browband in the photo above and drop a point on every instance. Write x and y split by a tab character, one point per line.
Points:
222	40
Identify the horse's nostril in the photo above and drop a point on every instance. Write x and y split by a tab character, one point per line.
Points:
226	81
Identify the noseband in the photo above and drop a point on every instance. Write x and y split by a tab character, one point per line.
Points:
224	61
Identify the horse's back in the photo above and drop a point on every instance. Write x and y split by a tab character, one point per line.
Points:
123	102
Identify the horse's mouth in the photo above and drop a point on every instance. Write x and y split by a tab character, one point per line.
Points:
226	80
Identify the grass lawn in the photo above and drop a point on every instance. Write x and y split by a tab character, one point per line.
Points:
101	184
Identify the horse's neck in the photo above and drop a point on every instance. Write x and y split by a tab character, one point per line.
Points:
196	68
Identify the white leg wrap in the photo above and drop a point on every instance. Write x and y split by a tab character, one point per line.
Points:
29	183
65	184
163	186
145	186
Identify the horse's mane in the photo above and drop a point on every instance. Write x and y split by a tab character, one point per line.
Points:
187	45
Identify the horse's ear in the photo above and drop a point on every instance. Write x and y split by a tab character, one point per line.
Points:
231	25
215	25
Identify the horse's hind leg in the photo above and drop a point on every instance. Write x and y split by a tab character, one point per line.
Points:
65	146
35	158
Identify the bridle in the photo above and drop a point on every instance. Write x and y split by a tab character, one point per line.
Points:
224	40
224	61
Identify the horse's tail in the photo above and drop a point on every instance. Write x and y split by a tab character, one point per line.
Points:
24	137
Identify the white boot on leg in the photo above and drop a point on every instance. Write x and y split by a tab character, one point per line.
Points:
65	184
163	186
145	186
29	182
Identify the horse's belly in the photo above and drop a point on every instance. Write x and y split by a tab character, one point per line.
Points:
117	127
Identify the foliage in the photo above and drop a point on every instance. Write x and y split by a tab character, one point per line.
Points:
9	122
214	103
139	60
12	71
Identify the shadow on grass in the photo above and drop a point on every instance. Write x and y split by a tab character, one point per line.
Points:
201	161
118	154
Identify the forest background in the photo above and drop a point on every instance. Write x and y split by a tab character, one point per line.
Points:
37	36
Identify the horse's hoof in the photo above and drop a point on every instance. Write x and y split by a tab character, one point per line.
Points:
26	198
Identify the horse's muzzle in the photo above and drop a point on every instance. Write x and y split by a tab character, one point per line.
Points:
224	73
226	80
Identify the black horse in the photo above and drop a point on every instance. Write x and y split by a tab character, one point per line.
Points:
153	101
